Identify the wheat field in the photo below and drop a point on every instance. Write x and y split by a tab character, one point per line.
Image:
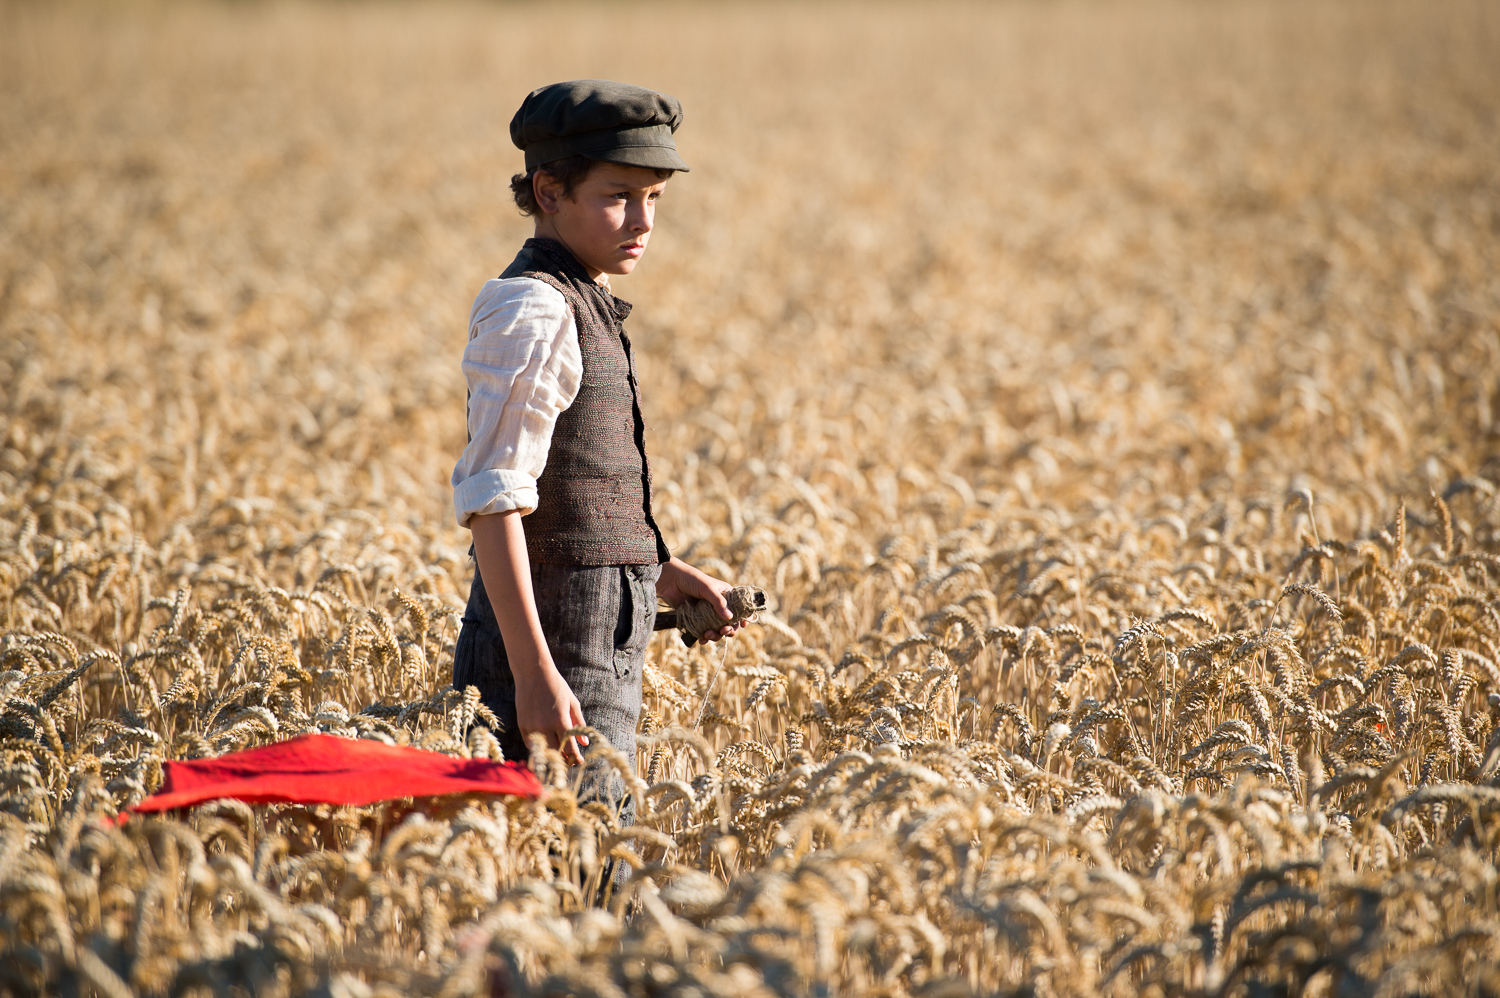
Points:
1104	393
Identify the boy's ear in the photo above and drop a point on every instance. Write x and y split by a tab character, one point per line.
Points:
548	190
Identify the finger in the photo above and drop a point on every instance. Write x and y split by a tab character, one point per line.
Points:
721	605
570	749
576	713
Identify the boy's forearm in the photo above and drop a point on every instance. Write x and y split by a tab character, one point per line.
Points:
545	705
505	567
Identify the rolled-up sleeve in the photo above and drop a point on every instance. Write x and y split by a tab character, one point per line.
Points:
523	367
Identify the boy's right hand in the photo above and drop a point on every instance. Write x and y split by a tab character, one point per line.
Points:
545	705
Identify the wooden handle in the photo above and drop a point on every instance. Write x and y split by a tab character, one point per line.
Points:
666	620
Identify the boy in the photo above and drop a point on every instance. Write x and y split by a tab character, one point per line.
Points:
564	602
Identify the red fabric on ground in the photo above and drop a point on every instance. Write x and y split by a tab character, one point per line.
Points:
323	769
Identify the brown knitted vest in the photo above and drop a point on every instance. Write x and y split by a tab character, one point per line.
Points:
594	497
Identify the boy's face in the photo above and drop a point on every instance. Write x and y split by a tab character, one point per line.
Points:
608	218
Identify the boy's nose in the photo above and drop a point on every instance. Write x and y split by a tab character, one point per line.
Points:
639	217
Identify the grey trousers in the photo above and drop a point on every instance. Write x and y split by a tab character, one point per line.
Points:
597	621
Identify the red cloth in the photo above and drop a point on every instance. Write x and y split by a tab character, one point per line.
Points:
322	769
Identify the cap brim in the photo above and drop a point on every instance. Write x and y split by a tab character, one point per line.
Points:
648	146
650	157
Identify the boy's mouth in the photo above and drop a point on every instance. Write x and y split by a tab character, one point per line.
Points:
634	249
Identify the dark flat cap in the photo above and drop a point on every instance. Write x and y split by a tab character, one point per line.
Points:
601	119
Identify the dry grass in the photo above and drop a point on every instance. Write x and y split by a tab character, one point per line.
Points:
1104	394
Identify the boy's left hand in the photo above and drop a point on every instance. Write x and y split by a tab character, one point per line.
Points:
679	581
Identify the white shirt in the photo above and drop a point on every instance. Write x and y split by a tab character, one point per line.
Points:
523	367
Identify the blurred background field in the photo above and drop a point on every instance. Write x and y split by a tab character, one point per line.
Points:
1065	315
1112	251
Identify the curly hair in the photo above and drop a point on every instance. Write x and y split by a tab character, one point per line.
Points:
569	172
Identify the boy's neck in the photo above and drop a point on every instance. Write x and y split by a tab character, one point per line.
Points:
544	230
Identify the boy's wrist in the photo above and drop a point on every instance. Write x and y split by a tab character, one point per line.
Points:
531	670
